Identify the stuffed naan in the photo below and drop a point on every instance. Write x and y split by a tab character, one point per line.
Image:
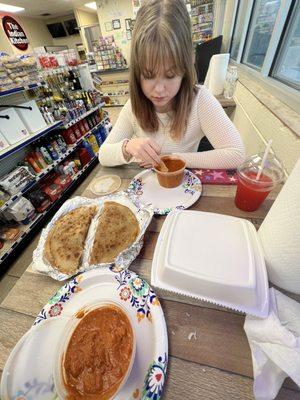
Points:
117	229
65	242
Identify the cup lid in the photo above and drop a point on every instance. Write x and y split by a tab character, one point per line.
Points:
272	169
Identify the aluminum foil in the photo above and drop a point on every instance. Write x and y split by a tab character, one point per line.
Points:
142	212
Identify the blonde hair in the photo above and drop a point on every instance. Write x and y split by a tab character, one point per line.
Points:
162	38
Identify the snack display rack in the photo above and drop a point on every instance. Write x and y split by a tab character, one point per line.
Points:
10	247
20	89
114	91
52	166
27	230
201	19
23	143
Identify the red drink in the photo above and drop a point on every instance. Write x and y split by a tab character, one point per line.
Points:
251	193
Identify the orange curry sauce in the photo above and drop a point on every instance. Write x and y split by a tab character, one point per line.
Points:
98	354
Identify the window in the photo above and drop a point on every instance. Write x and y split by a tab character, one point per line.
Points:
238	31
287	66
266	38
261	28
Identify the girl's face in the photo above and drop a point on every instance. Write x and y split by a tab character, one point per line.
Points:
161	88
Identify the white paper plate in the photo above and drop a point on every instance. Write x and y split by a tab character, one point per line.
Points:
212	257
148	191
125	288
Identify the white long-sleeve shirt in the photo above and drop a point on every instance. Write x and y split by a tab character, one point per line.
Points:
207	118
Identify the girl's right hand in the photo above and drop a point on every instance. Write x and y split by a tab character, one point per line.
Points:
146	150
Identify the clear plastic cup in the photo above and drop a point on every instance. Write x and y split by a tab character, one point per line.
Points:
251	192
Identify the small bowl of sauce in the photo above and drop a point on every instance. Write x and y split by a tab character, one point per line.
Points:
96	357
174	176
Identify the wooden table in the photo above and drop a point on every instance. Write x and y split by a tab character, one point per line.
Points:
217	365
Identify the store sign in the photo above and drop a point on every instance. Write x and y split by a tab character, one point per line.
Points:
15	33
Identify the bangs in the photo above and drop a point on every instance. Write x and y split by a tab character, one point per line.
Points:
158	54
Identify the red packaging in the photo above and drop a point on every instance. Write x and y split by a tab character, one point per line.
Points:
77	131
86	125
63	181
83	156
45	61
94	120
98	118
52	190
81	127
69	136
53	61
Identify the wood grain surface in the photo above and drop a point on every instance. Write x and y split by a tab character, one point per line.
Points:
216	364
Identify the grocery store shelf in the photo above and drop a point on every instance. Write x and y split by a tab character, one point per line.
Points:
51	167
21	89
10	248
33	137
27	140
114	84
110	70
115	95
113	105
74	121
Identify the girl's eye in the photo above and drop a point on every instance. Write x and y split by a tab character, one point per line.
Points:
148	75
170	76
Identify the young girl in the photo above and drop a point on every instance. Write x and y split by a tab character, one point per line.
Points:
167	113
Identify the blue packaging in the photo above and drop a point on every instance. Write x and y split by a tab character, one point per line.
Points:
97	135
88	147
103	133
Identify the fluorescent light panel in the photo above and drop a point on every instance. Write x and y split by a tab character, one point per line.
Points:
9	8
91	5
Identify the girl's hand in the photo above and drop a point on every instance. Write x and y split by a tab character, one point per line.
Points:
144	149
145	165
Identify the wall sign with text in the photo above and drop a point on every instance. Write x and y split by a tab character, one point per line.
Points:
15	33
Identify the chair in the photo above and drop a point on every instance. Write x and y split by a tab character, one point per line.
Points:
204	52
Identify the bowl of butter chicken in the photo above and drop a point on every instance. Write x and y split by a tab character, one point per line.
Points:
170	173
96	357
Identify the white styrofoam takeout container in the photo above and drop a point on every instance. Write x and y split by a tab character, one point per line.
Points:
212	257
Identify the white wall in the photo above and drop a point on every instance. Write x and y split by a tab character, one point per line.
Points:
257	124
36	32
116	9
69	41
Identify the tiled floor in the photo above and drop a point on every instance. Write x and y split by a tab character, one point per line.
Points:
21	263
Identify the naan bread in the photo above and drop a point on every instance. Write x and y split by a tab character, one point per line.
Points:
117	229
65	242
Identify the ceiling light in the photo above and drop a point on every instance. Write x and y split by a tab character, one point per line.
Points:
91	5
8	8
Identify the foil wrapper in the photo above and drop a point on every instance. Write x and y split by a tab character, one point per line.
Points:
142	212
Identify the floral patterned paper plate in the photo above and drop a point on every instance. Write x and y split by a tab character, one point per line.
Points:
147	190
126	288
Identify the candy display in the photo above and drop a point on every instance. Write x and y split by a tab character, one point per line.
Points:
108	55
202	19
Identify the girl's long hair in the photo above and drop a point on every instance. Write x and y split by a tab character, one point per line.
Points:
162	38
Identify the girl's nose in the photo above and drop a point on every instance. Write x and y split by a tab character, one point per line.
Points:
159	86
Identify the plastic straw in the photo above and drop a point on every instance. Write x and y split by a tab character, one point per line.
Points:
262	166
